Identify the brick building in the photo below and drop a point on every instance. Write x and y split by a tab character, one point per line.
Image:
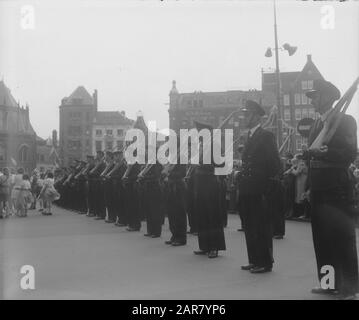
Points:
17	136
296	105
77	113
212	108
109	130
84	129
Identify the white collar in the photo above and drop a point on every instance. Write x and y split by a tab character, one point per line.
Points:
253	130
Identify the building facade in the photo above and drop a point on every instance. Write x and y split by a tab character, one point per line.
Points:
47	153
212	108
109	130
84	129
17	136
77	113
296	105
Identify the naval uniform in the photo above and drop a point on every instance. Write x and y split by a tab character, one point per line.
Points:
176	201
332	214
207	205
261	162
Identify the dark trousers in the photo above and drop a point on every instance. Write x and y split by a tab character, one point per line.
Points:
109	199
152	205
100	208
119	199
132	205
258	230
210	217
91	197
176	210
191	208
334	239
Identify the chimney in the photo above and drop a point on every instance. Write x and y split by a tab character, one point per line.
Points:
54	138
95	99
309	57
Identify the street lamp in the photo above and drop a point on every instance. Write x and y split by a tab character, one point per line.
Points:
291	50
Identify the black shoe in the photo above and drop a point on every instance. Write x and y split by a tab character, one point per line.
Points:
200	252
278	237
247	267
148	235
132	229
213	254
318	290
240	229
177	244
90	215
155	236
120	224
168	242
99	218
110	221
261	269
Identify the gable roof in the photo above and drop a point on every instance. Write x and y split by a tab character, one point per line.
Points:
6	98
111	118
78	97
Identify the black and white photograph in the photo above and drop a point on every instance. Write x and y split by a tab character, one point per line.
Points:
179	150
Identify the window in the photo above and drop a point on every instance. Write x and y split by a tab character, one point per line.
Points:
312	113
200	103
74	130
304	99
98	132
189	103
109	145
4	120
304	142
298	114
119	144
98	145
119	132
305	113
23	153
286	100
299	143
310	84
194	103
286	114
74	144
297	98
304	85
109	132
74	114
2	153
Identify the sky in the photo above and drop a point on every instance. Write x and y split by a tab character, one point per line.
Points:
130	51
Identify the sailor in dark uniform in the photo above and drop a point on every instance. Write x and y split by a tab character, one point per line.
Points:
108	188
132	210
207	204
118	196
99	201
261	163
152	198
176	205
333	224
